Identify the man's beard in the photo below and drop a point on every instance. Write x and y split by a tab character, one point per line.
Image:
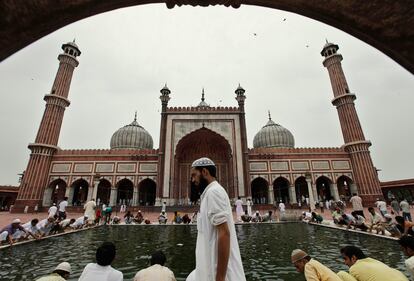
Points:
202	185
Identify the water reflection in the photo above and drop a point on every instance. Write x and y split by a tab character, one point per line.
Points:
265	250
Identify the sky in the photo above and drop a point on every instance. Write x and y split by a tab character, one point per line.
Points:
129	54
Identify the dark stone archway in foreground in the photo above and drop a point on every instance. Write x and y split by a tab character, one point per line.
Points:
385	25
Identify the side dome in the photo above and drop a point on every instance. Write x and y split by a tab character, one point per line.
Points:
273	135
132	136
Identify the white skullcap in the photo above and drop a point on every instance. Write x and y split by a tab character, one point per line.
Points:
16	221
203	162
388	216
64	266
297	255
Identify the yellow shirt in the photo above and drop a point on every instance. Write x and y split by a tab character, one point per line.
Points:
345	276
315	271
369	269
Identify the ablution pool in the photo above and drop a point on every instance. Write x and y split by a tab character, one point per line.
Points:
265	250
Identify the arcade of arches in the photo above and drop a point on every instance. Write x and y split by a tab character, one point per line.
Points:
193	146
80	192
282	191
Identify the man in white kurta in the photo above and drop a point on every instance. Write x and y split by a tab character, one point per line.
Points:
90	210
239	208
215	211
249	207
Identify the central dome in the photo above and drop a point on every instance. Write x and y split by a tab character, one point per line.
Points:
273	135
132	136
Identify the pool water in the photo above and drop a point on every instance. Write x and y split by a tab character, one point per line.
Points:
265	250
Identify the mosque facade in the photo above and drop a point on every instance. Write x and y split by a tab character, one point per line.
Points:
135	173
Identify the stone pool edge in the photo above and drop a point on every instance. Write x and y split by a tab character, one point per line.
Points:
354	231
279	222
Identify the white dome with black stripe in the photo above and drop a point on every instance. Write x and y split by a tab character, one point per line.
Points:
132	136
273	135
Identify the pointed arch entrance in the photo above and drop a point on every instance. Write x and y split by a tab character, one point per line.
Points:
323	187
104	192
147	192
344	186
201	143
281	190
260	191
58	188
301	188
125	189
79	192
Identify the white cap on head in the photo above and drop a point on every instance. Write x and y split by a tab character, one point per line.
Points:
203	162
388	216
64	266
16	221
298	255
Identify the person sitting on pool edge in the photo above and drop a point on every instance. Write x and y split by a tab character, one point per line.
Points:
246	217
61	273
407	245
157	270
313	270
162	218
102	269
363	268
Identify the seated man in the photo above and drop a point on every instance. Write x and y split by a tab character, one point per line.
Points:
389	226
45	226
139	218
61	273
78	223
359	221
186	219
316	217
367	269
31	229
375	220
162	218
6	234
116	220
407	245
312	269
177	218
102	269
65	224
405	226
337	217
257	217
128	217
157	270
245	217
306	216
348	219
268	217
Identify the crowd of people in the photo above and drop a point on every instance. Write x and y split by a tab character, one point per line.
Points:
361	267
394	220
55	222
102	268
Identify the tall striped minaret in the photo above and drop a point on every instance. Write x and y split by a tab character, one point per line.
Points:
35	177
365	174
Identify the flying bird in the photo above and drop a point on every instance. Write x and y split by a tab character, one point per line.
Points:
254	34
284	19
307	46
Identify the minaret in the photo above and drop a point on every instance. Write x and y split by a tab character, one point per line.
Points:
241	97
165	98
365	174
35	177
